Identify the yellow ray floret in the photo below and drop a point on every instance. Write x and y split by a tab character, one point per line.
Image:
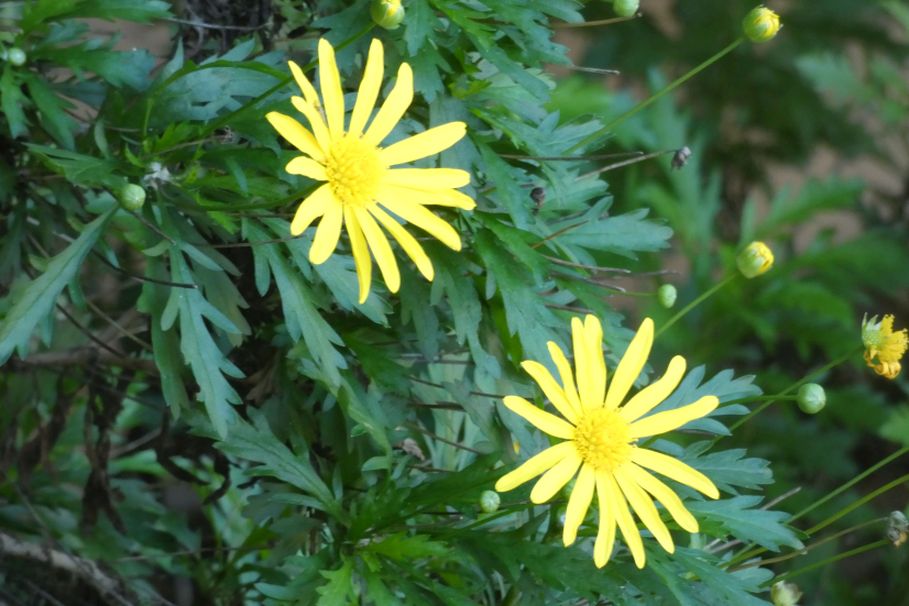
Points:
363	191
599	442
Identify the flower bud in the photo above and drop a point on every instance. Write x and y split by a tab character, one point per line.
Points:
811	398
387	14
666	295
761	24
489	501
131	196
897	528
785	594
16	56
754	260
626	8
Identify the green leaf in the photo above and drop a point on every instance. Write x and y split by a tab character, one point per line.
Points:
165	343
621	234
338	591
79	169
738	517
730	468
51	108
37	300
297	301
12	101
141	11
40	11
200	350
400	546
723	385
258	443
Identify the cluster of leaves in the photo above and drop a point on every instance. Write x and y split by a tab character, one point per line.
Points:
188	398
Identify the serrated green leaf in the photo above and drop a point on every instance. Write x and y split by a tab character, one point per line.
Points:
300	313
738	517
201	351
404	547
338	591
37	300
258	443
79	169
729	469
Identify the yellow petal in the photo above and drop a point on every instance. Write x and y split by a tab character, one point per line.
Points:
665	495
675	470
535	465
651	396
602	548
306	87
319	130
395	105
425	220
631	364
430	197
426	178
307	167
668	420
630	532
369	88
593	331
310	209
362	261
327	235
540	419
553	480
381	250
330	83
564	368
591	373
425	144
550	388
407	241
578	504
645	509
296	134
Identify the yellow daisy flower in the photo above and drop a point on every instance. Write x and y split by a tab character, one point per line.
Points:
600	435
884	347
361	186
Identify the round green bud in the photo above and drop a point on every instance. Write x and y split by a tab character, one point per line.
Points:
811	398
626	8
785	594
131	196
489	501
761	24
754	260
387	14
666	295
16	56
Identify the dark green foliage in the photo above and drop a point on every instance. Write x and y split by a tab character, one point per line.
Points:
187	397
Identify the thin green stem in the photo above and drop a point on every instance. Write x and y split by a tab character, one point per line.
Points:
852	482
809	547
831	560
858	503
704	296
655	97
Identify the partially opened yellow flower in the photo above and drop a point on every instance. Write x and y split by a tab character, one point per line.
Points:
361	185
600	435
884	347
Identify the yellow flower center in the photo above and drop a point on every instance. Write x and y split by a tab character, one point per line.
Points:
354	170
601	438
